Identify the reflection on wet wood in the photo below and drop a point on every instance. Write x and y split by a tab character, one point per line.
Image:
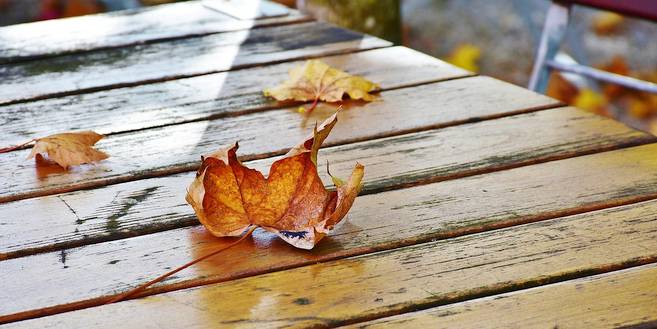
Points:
208	96
247	10
145	25
434	273
134	65
377	222
473	187
630	295
178	148
151	205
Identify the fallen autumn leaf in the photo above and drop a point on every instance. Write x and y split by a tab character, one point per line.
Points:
292	202
69	149
317	81
232	200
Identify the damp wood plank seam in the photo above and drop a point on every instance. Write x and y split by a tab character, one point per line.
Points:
383	221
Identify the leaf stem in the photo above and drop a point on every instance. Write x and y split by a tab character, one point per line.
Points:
16	147
143	287
313	105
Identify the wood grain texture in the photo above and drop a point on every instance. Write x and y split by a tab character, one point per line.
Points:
153	62
124	28
203	97
245	10
178	148
381	284
620	299
81	276
128	209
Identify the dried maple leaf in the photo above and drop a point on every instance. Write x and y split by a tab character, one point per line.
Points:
317	81
69	149
229	198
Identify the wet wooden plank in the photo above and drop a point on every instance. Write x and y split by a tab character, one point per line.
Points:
203	97
385	283
177	148
393	219
129	209
124	28
623	299
247	9
126	66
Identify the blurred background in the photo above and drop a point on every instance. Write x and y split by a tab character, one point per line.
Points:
495	38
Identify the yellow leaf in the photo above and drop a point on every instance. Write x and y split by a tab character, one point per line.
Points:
590	100
316	81
69	149
466	56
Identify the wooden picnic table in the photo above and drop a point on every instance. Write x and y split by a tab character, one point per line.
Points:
484	204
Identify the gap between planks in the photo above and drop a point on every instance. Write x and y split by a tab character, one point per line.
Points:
501	290
621	299
176	77
624	161
144	65
197	21
559	259
409	109
573	133
177	169
209	97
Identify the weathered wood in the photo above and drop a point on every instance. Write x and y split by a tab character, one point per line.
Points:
77	73
435	225
178	148
248	9
378	222
203	97
620	299
128	209
379	284
124	28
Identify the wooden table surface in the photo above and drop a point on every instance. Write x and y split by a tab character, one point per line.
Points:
484	205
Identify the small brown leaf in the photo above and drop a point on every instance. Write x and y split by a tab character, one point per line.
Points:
315	81
69	149
292	202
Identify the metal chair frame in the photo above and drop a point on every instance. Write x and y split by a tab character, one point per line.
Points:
554	29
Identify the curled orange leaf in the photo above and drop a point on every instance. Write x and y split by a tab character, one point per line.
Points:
292	202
